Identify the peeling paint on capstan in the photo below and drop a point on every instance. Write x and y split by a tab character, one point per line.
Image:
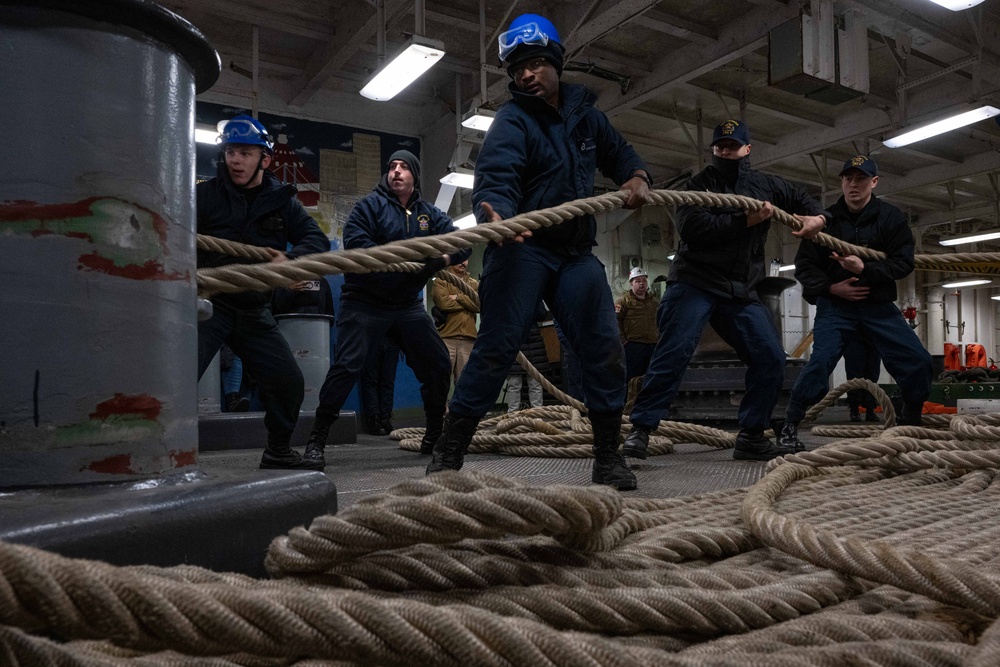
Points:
185	458
140	404
129	238
120	464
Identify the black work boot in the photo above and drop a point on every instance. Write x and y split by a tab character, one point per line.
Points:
755	447
609	466
910	415
871	417
449	450
313	458
237	403
855	416
788	437
636	442
383	426
279	455
434	425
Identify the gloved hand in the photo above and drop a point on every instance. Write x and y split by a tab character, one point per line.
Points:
432	265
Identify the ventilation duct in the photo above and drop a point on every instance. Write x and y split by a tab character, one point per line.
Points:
810	56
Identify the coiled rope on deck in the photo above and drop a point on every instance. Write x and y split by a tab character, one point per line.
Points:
876	557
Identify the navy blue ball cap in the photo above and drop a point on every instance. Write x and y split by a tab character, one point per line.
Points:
862	163
731	129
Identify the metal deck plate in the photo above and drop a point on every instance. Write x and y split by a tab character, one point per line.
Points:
375	464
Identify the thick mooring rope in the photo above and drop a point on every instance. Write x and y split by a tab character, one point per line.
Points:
880	551
402	255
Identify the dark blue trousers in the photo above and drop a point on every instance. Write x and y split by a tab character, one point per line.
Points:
883	326
861	361
569	364
637	358
253	335
681	316
377	382
361	325
516	277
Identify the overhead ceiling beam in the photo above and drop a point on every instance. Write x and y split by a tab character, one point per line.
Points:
450	18
607	22
737	38
666	120
611	60
940	24
863	123
656	144
677	27
270	61
759	101
930	153
969	212
283	21
933	21
354	31
934	174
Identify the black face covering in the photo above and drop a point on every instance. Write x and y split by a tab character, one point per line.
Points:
730	168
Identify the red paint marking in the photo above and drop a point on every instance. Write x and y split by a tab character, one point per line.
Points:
119	464
149	270
142	404
182	459
28	211
21	211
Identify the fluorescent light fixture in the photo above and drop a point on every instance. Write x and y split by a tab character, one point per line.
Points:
944	125
466	221
671	256
985	236
479	119
995	297
460	178
786	267
966	283
957	5
417	57
203	136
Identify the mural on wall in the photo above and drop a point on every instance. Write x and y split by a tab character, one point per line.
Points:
332	165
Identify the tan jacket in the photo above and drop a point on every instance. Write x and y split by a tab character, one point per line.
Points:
461	311
637	318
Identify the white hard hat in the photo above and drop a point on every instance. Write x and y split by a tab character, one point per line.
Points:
637	272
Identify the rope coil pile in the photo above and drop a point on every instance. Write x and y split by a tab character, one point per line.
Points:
879	551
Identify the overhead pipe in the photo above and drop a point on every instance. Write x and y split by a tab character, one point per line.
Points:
935	320
420	17
380	33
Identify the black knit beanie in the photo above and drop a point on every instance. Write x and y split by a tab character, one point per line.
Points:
411	160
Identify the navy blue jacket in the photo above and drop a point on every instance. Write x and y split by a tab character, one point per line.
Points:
273	220
535	157
881	226
378	219
718	253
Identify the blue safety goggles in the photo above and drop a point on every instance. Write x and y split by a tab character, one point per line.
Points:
239	131
529	33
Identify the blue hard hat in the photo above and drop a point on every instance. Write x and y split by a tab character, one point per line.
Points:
247	130
529	29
